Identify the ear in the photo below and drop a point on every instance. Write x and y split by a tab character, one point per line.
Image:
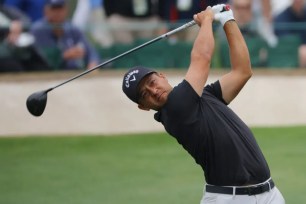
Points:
141	107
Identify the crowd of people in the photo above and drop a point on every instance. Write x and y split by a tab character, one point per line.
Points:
40	35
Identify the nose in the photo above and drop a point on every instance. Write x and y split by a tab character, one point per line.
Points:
152	90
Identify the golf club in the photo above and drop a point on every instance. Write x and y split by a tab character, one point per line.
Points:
36	102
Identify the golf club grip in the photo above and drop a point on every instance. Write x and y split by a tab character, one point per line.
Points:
183	27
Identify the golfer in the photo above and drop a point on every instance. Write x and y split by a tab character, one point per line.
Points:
198	117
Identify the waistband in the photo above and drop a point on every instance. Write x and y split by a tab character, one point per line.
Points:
242	190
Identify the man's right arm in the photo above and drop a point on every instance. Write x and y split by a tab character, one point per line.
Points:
202	51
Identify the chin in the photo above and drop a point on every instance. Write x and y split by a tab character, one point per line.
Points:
163	101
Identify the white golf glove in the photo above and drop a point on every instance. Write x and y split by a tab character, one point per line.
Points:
223	13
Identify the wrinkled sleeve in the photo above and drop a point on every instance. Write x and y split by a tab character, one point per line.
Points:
215	89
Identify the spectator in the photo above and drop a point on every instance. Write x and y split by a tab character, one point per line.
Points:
295	14
32	8
278	6
89	16
130	19
261	14
249	27
256	14
262	10
16	51
63	44
178	11
244	16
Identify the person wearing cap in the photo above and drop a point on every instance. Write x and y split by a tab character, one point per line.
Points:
199	118
63	44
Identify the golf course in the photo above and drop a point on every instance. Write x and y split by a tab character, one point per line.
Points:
132	169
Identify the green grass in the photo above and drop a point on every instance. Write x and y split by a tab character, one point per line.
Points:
144	168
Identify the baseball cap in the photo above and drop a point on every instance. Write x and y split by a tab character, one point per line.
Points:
55	3
132	79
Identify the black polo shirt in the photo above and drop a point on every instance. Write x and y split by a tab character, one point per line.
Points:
218	140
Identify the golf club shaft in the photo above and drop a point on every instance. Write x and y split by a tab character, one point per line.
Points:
186	25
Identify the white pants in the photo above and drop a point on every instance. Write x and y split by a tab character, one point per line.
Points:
270	197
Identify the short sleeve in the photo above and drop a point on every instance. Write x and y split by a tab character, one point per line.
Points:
215	89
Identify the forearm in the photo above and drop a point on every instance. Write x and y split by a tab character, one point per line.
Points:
202	52
241	71
204	44
239	54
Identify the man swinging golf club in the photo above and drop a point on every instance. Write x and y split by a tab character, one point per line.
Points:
198	116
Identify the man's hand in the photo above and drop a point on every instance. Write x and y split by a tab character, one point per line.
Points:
206	14
223	13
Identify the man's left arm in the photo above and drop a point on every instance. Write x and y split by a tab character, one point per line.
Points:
232	83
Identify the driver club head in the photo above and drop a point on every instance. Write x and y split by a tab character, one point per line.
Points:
36	103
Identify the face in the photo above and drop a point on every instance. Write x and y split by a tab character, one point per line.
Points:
298	6
56	15
243	11
153	91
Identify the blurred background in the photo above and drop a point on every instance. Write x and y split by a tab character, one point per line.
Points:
44	42
71	35
69	154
